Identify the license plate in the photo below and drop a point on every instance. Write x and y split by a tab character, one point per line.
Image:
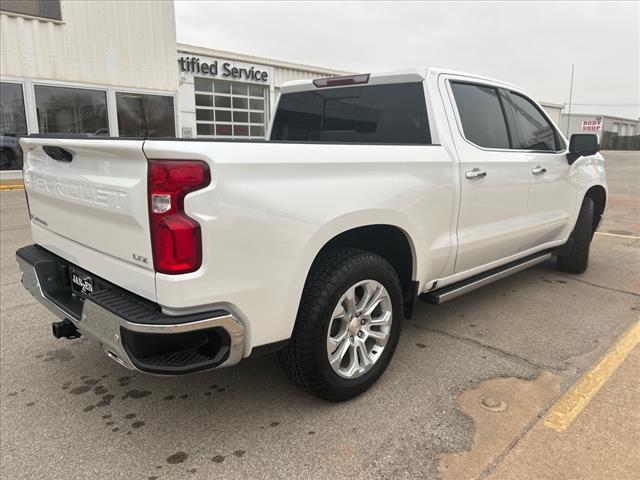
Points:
81	283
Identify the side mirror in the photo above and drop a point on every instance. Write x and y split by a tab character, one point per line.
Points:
582	145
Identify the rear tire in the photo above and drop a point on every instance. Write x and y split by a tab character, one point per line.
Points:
329	325
576	258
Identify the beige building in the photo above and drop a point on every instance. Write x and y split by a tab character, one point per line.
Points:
231	95
98	68
114	68
554	110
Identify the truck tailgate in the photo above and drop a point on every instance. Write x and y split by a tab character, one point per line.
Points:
88	204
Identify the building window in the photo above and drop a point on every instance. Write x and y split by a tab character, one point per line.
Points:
71	110
141	115
35	8
230	110
13	124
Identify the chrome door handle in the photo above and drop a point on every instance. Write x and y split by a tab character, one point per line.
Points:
475	173
538	170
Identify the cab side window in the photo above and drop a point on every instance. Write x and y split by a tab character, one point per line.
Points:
481	115
532	130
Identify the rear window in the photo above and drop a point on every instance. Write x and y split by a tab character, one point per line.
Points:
393	113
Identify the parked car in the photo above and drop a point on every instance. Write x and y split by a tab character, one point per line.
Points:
10	152
185	255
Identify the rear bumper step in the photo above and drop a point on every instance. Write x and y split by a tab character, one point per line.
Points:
455	290
132	331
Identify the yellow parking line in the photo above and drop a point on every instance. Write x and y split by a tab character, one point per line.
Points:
11	187
618	235
575	400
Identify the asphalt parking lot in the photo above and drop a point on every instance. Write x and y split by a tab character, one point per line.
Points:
68	412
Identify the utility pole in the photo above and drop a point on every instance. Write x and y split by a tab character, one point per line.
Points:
570	98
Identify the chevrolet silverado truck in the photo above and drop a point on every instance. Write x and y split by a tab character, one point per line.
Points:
180	255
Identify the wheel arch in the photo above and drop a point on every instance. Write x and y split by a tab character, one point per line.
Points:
389	241
599	196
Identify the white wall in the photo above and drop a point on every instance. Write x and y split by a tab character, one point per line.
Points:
554	112
609	124
120	43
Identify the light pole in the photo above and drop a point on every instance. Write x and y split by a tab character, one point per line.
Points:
570	98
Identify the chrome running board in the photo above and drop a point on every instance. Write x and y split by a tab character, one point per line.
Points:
450	292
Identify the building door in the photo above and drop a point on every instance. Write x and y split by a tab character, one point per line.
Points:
230	110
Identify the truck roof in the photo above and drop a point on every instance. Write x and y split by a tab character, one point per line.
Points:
404	75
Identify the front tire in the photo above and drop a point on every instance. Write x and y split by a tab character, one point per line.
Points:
348	325
576	258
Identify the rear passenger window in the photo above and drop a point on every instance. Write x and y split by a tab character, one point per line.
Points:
481	115
533	131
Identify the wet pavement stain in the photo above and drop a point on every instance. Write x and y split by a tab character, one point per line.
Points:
218	458
80	390
561	281
274	424
108	424
31	404
311	432
124	381
88	408
12	394
192	470
239	453
169	397
106	400
62	354
108	415
99	390
130	415
184	396
136	394
138	424
177	457
92	381
420	345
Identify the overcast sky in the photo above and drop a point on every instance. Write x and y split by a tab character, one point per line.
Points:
530	44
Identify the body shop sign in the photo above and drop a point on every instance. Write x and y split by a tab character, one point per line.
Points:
592	125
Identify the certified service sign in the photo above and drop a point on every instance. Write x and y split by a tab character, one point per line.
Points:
592	125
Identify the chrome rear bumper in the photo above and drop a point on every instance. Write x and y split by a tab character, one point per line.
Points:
95	319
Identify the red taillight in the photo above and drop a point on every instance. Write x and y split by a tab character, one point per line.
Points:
175	238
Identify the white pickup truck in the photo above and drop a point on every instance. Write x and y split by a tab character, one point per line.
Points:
185	255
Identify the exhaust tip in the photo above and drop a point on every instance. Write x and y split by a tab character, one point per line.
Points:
65	329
